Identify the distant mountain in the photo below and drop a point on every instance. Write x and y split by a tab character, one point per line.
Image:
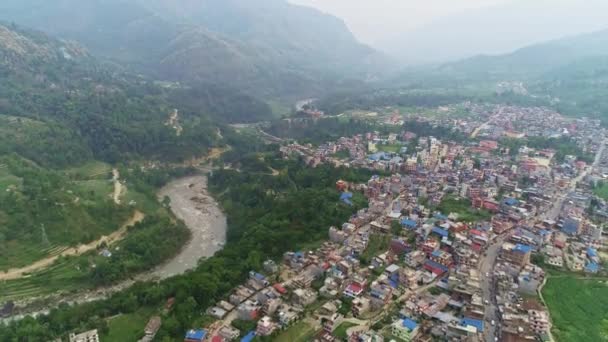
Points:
535	60
264	47
497	29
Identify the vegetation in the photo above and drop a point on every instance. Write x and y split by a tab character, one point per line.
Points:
563	146
376	245
322	130
463	208
299	332
266	216
577	307
601	190
340	331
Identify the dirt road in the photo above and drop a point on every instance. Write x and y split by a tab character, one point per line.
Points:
118	187
16	273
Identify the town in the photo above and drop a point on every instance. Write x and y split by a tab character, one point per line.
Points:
454	244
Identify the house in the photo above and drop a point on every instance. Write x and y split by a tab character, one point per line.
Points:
152	328
87	336
354	289
518	254
229	333
265	327
332	322
360	306
405	329
304	297
195	335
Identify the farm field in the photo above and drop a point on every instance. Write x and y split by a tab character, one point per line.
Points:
577	307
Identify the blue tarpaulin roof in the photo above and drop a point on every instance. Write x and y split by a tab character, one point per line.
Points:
440	231
249	337
345	197
408	223
196	335
408	323
592	267
473	322
522	248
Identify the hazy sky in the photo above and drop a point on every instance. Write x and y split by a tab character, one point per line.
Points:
423	31
373	20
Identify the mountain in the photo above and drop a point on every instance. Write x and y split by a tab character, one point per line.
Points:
536	59
266	47
497	29
66	108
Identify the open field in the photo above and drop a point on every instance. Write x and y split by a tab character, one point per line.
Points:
577	307
394	148
127	327
299	332
91	170
601	191
340	331
463	208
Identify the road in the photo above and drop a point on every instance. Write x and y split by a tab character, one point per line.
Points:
554	212
486	266
16	273
488	262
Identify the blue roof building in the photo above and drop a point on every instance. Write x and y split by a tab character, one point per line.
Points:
473	322
195	335
411	224
570	226
591	252
440	231
521	248
409	323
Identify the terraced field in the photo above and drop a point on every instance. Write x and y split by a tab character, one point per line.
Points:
64	275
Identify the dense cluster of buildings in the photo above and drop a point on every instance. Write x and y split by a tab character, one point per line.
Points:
453	242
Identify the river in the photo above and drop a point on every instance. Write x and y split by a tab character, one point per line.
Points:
191	203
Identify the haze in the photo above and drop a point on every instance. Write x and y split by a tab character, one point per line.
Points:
426	31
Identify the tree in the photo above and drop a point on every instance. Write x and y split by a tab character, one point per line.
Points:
396	228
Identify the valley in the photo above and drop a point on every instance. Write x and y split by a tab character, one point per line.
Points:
223	170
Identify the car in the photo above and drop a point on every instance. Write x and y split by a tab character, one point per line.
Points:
487	302
487	274
493	323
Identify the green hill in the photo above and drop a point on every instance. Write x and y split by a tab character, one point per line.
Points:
265	48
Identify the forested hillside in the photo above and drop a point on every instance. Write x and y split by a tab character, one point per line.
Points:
65	118
265	48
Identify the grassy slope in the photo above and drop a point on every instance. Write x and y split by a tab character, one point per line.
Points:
577	307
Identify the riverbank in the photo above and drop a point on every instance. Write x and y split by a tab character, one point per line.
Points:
191	203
